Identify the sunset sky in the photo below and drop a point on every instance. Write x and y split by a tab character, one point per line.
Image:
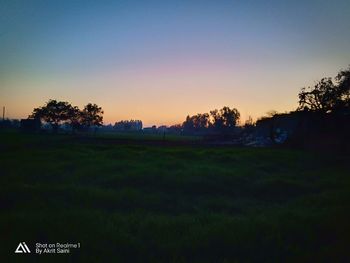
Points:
159	61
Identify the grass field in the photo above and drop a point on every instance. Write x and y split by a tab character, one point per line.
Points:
136	201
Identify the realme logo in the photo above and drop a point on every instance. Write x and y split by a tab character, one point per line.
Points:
22	248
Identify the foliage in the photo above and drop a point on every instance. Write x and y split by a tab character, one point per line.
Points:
54	112
224	119
343	80
271	113
229	117
197	122
249	122
176	128
327	96
128	125
92	115
59	112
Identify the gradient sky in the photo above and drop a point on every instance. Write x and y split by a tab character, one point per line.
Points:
160	60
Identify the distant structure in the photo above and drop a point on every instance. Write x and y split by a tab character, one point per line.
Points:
152	129
174	129
30	125
162	128
305	129
128	125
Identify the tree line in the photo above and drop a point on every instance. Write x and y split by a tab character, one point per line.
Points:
57	113
224	119
326	96
128	125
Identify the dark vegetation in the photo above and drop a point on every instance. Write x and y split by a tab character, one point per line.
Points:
327	96
128	125
57	113
132	201
223	120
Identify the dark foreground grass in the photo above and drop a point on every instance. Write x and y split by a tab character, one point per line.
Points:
137	202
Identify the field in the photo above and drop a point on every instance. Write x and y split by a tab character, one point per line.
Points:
149	200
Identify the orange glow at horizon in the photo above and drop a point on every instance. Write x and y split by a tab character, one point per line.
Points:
164	94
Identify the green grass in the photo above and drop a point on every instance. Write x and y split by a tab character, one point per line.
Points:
138	202
138	135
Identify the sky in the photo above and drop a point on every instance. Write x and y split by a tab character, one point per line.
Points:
160	61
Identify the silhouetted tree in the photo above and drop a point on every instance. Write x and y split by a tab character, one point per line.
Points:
217	121
225	118
91	115
220	120
196	122
249	122
201	121
271	113
249	125
75	118
343	83
322	97
128	125
188	124
230	117
53	112
327	96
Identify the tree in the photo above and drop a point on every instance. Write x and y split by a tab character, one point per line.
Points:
196	122
249	122
201	121
249	125
217	121
128	125
75	118
230	117
271	113
54	112
225	118
91	115
322	97
343	83
188	124
327	96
